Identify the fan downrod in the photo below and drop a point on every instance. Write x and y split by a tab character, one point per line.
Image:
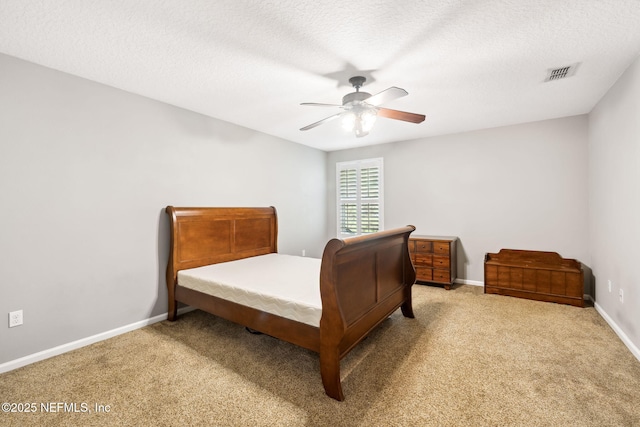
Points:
357	82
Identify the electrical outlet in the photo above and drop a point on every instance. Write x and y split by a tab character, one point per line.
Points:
609	284
15	318
621	296
304	252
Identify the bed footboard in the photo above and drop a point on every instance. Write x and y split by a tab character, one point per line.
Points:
363	280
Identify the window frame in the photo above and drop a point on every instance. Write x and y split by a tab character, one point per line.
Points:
358	165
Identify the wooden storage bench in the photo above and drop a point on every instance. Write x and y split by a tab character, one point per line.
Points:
542	276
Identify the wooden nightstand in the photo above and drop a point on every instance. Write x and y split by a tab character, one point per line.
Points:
434	258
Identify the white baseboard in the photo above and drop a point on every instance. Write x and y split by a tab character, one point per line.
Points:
55	351
469	282
625	339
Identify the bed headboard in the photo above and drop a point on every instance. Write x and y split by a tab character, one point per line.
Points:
203	236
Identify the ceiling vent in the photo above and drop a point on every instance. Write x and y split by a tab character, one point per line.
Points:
561	73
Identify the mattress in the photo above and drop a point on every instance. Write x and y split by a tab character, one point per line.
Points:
284	285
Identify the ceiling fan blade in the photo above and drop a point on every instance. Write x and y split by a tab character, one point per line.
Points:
315	104
312	125
386	96
401	115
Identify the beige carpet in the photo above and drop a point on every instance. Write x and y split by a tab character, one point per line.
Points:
467	359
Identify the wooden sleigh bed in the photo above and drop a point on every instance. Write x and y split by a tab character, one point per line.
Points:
362	280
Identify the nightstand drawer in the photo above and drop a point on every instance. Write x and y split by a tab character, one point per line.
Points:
441	276
441	248
424	274
424	260
424	246
441	261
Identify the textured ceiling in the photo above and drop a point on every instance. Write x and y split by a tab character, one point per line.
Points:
466	64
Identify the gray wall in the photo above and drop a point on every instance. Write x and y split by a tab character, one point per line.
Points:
614	201
519	187
85	172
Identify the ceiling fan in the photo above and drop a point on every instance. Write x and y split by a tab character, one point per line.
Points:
361	109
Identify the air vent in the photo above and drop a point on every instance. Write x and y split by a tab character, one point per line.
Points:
561	73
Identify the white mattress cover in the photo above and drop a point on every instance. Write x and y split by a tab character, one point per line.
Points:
285	285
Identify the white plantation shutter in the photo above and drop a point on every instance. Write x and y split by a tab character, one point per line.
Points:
359	194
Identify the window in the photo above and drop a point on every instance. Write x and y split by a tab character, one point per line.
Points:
359	194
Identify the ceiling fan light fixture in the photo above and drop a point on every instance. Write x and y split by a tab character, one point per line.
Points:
359	119
349	121
368	118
